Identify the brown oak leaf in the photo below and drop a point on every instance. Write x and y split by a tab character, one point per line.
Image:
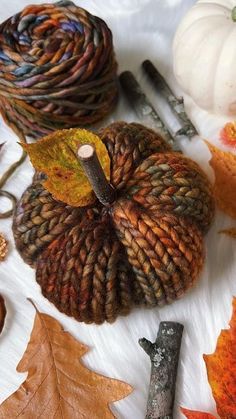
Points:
58	385
221	371
230	232
56	156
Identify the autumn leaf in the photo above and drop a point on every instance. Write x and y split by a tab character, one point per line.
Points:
56	156
221	372
58	385
224	165
228	134
230	232
193	414
2	312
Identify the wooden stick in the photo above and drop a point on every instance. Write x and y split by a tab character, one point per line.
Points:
93	169
177	105
143	107
164	355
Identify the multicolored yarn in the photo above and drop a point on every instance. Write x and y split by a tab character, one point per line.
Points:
146	249
57	69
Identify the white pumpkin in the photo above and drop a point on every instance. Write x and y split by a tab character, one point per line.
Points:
205	55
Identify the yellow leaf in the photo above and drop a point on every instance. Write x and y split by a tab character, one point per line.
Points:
58	385
224	165
56	156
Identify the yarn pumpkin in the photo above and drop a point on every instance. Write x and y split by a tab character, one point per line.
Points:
144	249
57	69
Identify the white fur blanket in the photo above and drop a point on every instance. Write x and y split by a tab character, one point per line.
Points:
142	29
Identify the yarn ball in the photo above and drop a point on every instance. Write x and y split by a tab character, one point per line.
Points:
57	69
145	249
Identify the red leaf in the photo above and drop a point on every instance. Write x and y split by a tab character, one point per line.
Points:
194	414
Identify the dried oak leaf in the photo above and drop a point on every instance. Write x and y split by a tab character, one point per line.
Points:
56	156
221	371
58	385
3	312
224	165
230	232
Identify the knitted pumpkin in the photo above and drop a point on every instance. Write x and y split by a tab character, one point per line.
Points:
144	249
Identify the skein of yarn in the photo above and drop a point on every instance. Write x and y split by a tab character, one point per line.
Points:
57	69
144	248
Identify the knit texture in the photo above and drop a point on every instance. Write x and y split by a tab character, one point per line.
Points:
57	69
95	263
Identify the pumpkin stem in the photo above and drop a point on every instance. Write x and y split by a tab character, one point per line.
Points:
233	14
93	169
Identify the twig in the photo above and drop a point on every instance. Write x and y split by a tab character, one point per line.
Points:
176	104
13	200
4	179
164	355
143	107
93	169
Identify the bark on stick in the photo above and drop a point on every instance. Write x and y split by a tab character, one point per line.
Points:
143	107
164	356
93	169
176	104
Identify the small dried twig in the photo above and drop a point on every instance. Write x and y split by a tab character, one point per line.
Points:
9	172
13	200
3	312
93	169
164	355
143	107
176	104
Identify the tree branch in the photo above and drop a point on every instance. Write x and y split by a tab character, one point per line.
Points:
164	356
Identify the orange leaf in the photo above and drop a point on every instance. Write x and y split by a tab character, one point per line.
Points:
228	134
221	370
230	232
194	414
224	165
56	156
58	385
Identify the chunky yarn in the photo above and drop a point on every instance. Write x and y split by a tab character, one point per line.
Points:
57	69
146	249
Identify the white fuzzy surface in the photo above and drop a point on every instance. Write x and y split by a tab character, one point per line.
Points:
142	29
